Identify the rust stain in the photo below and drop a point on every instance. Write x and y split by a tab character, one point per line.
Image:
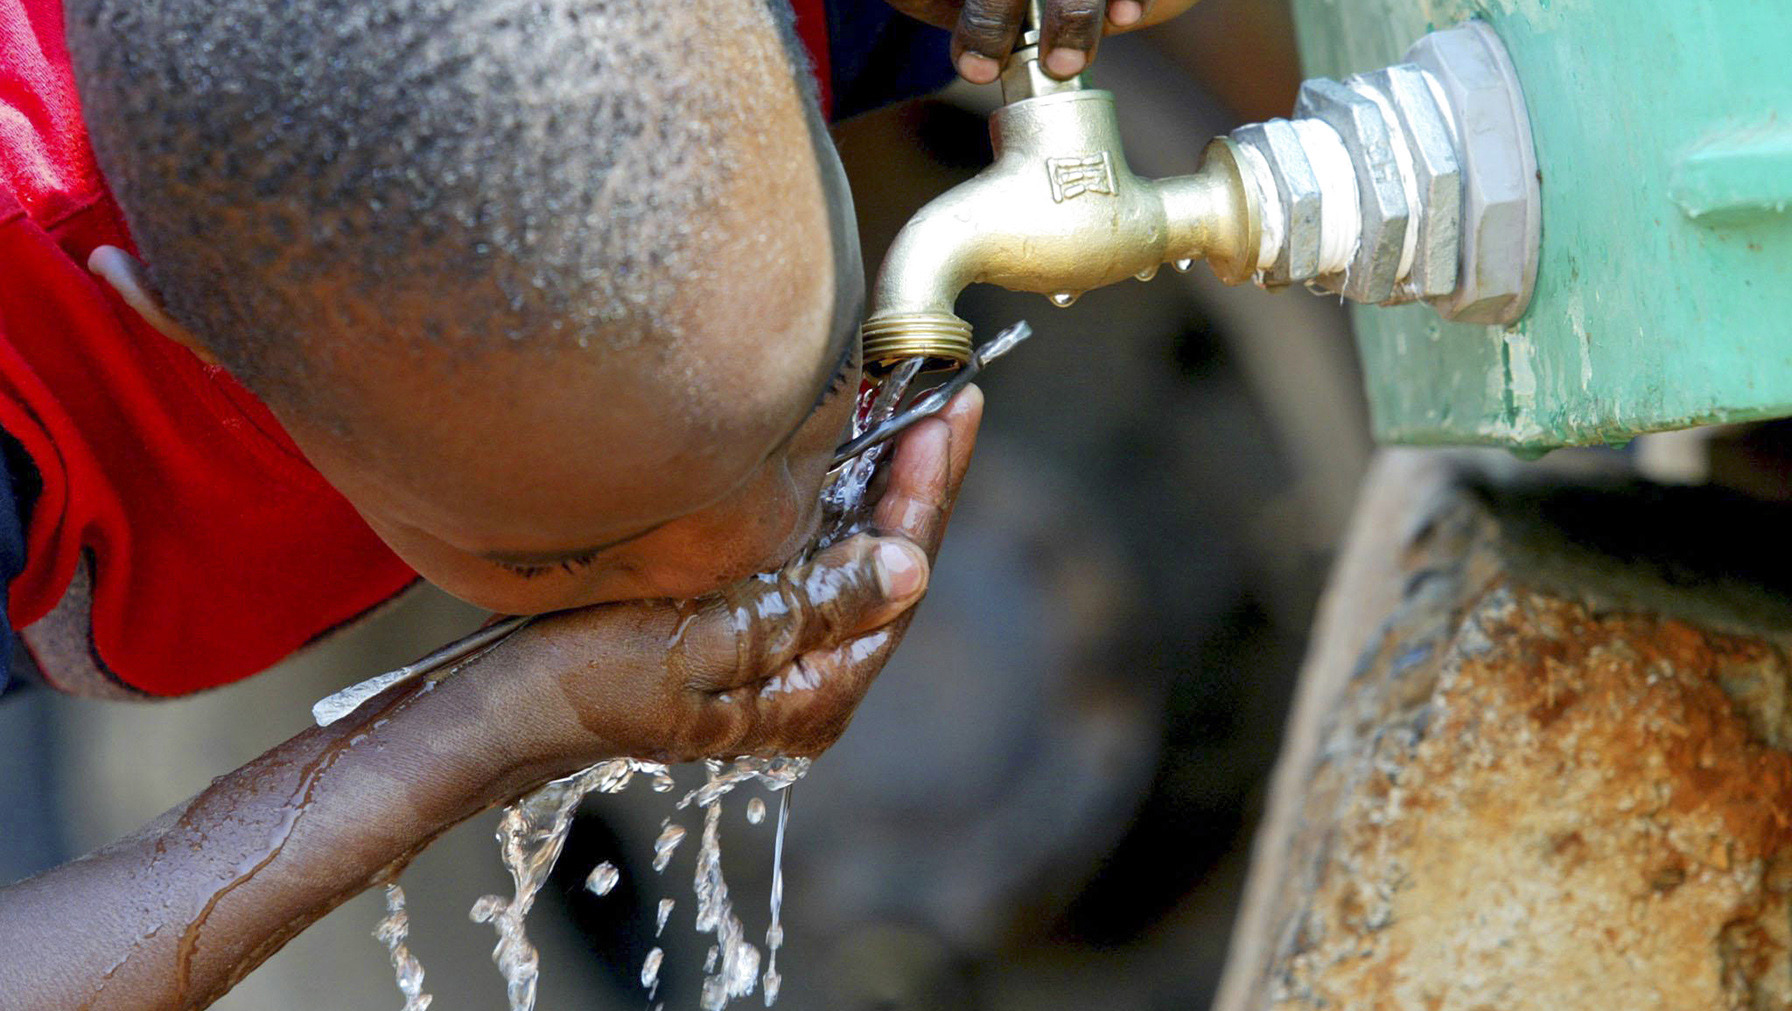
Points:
1589	820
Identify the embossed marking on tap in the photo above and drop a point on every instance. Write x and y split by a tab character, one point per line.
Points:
1079	174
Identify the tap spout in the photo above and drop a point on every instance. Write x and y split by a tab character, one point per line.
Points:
1058	213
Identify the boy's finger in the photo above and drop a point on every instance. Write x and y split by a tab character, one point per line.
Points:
914	504
757	626
964	416
1069	35
807	706
985	36
928	468
1124	14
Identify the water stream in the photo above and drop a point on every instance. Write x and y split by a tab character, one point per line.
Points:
532	831
392	930
531	834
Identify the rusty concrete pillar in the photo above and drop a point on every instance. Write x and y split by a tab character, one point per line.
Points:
1539	756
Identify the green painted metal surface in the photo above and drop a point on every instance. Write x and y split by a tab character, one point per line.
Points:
1664	290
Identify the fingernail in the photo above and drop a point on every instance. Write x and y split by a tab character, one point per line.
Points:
1065	63
961	404
977	68
1125	12
900	569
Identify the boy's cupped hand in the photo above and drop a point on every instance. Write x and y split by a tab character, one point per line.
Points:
774	664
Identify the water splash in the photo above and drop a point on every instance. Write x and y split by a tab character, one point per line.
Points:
843	498
532	831
739	970
670	836
392	931
531	834
602	878
732	969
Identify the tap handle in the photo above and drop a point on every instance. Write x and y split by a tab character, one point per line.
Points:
1023	77
1030	27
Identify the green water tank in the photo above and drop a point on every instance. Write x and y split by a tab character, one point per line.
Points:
1663	133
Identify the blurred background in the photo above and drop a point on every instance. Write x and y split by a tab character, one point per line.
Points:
1047	800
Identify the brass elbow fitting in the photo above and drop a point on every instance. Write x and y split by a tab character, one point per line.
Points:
1414	182
1057	213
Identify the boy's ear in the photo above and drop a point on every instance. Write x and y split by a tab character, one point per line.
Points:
130	278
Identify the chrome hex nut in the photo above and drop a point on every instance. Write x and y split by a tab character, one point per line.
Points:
1381	196
1500	200
1432	149
1297	190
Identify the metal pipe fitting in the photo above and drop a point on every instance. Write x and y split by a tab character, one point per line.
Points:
1414	182
1427	164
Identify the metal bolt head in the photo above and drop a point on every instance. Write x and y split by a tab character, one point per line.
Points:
1428	139
1297	189
1500	202
1381	196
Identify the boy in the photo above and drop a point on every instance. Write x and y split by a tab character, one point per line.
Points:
552	303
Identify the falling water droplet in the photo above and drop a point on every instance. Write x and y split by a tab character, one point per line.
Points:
665	913
755	811
771	984
662	783
1183	264
531	833
668	841
650	969
1147	274
1064	299
603	877
774	934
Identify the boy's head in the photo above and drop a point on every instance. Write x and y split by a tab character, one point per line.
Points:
557	292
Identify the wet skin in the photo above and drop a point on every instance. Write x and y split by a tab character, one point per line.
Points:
175	914
540	475
544	479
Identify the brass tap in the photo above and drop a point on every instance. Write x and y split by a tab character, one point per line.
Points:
1057	213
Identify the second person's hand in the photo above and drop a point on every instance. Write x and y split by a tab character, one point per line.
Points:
984	31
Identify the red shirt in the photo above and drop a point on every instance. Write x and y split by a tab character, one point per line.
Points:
179	541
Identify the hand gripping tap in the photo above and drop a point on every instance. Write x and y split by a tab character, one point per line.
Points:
1416	182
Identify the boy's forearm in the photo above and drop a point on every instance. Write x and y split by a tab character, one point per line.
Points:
173	915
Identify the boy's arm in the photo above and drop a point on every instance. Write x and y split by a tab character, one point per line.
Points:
175	914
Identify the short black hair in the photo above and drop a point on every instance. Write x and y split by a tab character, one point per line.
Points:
519	172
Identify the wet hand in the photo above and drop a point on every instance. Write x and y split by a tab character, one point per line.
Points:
984	31
774	664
